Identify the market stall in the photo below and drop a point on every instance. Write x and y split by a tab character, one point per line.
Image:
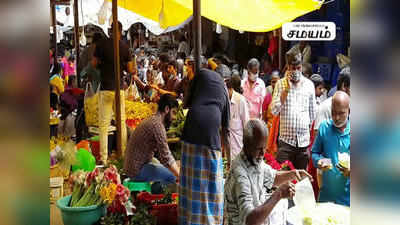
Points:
102	194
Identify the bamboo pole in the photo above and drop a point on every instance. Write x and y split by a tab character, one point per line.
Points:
54	23
77	50
117	75
197	33
280	50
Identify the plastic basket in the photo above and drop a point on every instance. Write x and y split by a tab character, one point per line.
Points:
55	171
79	215
137	186
160	196
151	198
56	188
165	213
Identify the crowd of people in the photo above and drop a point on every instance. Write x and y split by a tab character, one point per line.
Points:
237	113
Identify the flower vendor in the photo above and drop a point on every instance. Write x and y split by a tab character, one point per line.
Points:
150	140
247	197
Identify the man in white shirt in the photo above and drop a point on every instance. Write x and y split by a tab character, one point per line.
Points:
254	89
294	100
239	117
325	108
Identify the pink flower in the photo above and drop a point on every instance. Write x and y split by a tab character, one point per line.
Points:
275	165
111	174
96	172
287	165
268	157
123	193
89	178
120	190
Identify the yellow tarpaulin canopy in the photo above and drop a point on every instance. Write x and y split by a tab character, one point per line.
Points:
246	15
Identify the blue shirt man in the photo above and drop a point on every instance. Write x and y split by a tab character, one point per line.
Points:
334	138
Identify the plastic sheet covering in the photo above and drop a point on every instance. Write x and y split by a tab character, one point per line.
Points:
246	15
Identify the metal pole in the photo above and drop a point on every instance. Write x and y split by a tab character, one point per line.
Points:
76	26
197	33
53	19
117	75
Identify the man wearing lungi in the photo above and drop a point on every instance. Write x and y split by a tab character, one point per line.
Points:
201	176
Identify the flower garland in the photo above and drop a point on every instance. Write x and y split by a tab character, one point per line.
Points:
284	166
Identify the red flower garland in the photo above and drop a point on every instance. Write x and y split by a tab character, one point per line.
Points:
286	165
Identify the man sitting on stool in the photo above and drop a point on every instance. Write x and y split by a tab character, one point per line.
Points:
150	140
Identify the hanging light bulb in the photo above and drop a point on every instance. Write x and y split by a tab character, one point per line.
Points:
218	29
82	39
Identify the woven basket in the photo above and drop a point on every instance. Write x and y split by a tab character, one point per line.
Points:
55	171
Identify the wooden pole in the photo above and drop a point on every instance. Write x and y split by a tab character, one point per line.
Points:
54	23
197	33
280	50
77	50
117	75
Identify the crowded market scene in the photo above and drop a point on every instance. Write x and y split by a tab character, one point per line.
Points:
198	112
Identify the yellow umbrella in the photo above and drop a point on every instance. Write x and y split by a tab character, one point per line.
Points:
246	15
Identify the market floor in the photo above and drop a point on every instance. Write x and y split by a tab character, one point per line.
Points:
55	215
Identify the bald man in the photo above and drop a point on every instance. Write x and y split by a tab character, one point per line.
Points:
334	138
247	197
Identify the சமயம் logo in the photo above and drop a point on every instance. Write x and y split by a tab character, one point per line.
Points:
309	31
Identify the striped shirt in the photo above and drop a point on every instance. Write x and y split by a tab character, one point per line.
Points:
246	188
297	113
147	141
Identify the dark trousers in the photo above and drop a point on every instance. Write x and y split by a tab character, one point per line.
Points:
298	156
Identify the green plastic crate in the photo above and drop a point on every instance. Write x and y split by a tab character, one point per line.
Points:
137	186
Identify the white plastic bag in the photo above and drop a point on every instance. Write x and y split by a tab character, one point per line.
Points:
67	127
89	92
132	92
82	39
91	105
102	14
304	198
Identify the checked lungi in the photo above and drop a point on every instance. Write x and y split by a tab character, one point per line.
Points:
201	199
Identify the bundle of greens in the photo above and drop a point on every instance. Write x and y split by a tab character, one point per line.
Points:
167	199
177	125
113	219
142	215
